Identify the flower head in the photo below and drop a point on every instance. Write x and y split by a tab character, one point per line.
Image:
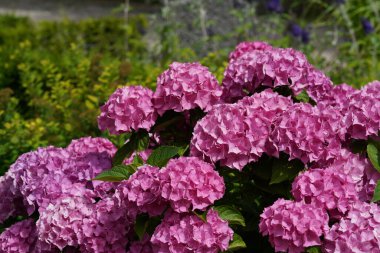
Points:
293	226
189	183
128	108
186	86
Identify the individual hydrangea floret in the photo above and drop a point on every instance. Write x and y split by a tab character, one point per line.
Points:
19	238
143	246
188	233
358	232
105	230
144	190
306	133
189	183
248	46
293	226
272	67
186	86
325	188
88	145
127	109
227	134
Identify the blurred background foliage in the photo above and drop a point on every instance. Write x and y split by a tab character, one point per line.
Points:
54	75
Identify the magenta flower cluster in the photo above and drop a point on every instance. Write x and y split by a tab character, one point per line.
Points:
260	111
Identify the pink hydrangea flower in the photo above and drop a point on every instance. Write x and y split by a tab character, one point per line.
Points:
61	222
227	134
358	232
293	226
248	46
325	188
307	133
272	67
19	238
144	190
188	233
88	145
33	173
105	229
143	246
186	86
189	183
128	108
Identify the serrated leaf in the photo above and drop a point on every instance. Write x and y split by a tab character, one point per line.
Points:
373	151
137	160
237	243
137	142
230	214
285	170
162	155
117	173
376	194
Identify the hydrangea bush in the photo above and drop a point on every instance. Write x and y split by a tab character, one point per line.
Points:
276	158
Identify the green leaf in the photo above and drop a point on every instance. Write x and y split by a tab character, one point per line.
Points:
137	160
314	249
163	154
201	215
117	173
376	194
285	170
373	151
303	97
141	225
230	214
137	142
237	243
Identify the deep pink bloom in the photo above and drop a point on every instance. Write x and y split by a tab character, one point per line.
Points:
308	133
227	134
128	108
188	233
88	145
11	200
273	67
357	232
186	86
189	183
248	46
325	188
293	226
144	190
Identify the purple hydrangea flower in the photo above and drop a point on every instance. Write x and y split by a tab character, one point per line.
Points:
19	238
11	201
144	190
357	232
186	86
189	183
105	229
127	109
188	233
293	226
88	145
